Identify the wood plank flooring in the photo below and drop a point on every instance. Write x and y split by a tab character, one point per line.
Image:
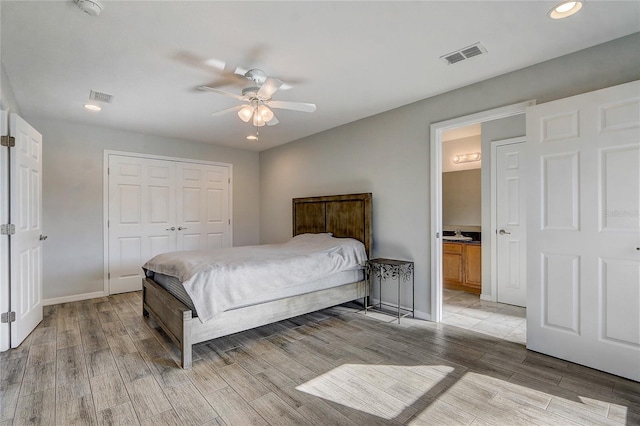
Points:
99	362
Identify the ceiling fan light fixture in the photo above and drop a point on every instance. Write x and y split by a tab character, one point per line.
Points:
245	113
258	121
265	113
565	9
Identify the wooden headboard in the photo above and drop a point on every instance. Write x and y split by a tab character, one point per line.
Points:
345	216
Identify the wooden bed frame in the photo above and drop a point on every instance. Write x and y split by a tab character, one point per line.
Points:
346	216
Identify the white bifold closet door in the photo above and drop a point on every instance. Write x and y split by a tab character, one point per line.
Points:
583	173
202	201
158	206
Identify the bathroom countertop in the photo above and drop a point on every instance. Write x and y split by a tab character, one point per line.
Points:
472	242
476	237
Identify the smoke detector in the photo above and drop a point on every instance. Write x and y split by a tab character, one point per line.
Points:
90	7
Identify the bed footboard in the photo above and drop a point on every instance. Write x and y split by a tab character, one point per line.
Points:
171	314
176	319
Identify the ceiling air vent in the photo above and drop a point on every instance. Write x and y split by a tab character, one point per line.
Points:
100	97
465	53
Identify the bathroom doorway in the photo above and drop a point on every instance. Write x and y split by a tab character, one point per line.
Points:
463	230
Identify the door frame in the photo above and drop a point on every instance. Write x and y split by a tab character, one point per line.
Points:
435	158
105	198
493	297
5	287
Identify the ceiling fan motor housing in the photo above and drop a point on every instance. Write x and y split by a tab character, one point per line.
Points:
257	76
250	92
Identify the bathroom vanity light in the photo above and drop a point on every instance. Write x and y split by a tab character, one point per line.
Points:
466	158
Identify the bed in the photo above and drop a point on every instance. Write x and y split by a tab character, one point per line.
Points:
344	216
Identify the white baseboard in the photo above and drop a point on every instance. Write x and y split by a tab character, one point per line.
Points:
487	297
422	315
73	298
418	314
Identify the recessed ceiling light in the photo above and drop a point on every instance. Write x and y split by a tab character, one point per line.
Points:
252	137
92	107
565	9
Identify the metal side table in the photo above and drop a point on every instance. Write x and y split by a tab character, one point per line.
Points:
390	269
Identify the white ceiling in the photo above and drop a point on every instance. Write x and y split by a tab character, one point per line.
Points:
352	59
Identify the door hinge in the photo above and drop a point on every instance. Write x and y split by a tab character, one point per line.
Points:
8	229
229	221
229	180
108	275
8	317
9	141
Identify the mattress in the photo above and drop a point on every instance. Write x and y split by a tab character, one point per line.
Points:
220	279
175	287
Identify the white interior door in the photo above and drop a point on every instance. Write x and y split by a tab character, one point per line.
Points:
141	217
26	215
203	207
583	301
511	241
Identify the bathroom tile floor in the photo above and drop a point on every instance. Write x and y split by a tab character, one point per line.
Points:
466	310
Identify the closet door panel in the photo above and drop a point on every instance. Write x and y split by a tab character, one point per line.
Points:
203	215
141	214
218	216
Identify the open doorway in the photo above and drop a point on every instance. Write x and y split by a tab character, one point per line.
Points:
464	304
467	257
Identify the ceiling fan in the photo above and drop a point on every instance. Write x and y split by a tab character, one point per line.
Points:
258	100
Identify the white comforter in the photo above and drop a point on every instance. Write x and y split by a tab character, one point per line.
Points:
217	280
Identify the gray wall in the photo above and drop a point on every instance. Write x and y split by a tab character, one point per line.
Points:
388	154
73	190
7	98
461	198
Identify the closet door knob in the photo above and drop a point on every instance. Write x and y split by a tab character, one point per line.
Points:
503	232
173	228
180	228
43	237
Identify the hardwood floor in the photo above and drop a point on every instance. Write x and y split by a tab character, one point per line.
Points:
100	362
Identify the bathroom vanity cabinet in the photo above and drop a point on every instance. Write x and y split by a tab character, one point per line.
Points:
461	266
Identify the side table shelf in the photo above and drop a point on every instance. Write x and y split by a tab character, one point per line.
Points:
390	270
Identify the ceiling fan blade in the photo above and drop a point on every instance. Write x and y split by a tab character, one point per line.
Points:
226	111
196	61
295	106
220	92
273	121
240	71
228	79
269	87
